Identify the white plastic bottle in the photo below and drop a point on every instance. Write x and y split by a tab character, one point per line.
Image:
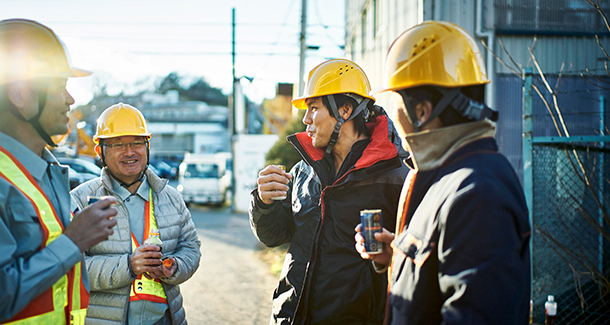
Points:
550	310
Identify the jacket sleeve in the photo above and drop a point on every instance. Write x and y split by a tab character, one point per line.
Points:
108	271
187	253
273	224
24	277
484	244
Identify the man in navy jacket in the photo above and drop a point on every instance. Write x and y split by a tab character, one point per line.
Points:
461	249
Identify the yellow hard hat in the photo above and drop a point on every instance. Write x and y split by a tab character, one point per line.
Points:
120	120
335	76
434	53
30	50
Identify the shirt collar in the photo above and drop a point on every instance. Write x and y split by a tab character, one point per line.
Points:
34	164
123	193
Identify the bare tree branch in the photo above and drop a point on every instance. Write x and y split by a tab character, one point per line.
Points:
510	57
598	86
602	47
596	78
548	108
601	12
550	90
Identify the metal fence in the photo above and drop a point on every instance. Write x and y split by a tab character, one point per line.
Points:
566	181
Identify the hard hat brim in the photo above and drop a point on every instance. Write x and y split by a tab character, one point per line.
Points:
78	72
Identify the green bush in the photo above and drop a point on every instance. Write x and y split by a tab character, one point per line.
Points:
282	152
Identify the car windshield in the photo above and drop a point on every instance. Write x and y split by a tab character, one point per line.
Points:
81	165
201	171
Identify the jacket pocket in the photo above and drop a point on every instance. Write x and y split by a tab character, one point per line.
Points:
412	268
24	212
415	249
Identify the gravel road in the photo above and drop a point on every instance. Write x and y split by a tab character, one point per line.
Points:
232	285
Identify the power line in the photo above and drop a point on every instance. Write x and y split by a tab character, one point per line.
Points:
188	23
280	32
319	16
213	53
190	40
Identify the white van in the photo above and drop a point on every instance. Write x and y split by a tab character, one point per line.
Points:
201	179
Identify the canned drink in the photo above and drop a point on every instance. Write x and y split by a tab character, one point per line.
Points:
93	199
279	198
372	223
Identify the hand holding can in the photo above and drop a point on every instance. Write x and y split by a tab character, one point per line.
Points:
93	199
372	223
283	197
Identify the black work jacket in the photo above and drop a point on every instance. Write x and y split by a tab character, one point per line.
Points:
324	280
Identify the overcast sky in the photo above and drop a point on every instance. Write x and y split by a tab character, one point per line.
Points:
131	44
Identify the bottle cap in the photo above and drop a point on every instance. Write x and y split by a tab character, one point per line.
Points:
551	298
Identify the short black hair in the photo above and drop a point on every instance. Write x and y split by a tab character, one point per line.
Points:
340	100
449	116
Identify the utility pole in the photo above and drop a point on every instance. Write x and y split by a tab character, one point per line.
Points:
232	110
232	114
303	46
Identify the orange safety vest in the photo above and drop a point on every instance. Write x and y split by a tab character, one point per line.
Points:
142	287
67	300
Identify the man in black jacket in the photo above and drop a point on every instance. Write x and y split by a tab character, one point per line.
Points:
461	251
351	162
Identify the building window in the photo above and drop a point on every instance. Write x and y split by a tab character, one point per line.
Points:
549	17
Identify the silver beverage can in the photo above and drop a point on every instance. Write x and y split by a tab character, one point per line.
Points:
372	223
280	198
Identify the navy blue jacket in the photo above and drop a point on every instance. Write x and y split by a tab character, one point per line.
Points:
463	256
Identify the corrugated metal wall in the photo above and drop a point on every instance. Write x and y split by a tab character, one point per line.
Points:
575	52
376	23
549	16
372	25
579	102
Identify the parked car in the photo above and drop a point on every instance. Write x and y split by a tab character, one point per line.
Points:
77	178
163	169
81	165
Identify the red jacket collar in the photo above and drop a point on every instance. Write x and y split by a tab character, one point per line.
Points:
380	148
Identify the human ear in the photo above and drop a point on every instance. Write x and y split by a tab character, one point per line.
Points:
423	110
346	110
18	94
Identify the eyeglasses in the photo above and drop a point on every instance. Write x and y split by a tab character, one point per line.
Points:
123	146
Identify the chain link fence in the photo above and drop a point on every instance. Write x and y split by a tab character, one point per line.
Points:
570	242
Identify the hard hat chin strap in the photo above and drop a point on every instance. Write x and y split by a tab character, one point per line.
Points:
334	110
464	105
34	120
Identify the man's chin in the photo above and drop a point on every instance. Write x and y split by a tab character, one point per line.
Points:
59	131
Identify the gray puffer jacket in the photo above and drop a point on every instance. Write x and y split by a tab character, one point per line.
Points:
108	262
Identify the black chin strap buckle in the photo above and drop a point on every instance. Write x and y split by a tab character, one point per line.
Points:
473	110
333	137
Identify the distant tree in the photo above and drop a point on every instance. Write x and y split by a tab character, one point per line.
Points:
171	82
202	91
198	90
282	152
